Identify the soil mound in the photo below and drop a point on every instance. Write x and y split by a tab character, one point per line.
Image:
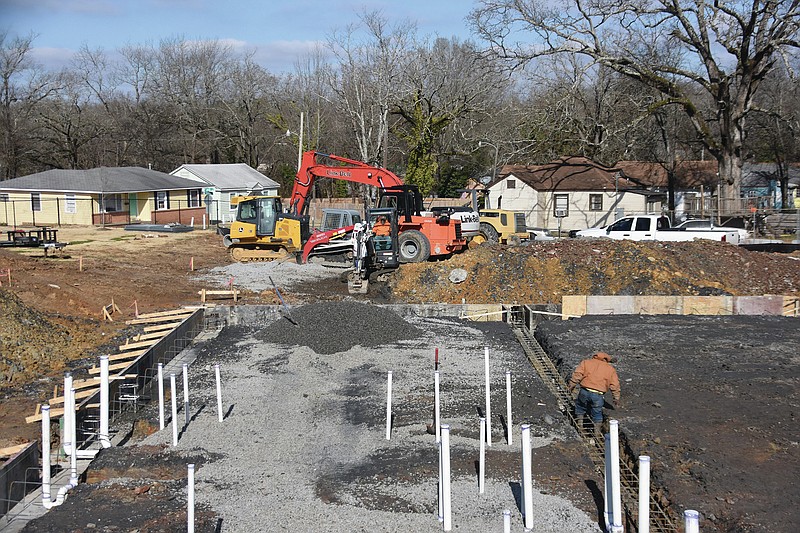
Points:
331	327
543	272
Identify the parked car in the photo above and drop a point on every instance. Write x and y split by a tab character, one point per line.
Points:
657	228
701	224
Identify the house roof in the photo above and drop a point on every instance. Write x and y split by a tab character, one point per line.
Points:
569	174
109	180
760	174
688	174
234	176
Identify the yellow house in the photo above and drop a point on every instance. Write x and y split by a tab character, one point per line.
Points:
120	195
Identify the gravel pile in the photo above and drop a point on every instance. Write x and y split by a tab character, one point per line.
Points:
331	327
256	276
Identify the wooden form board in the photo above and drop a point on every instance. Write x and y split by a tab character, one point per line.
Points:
78	395
166	313
161	327
134	345
118	366
233	293
54	413
157	319
13	450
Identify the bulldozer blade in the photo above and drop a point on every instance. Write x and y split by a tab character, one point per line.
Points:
356	285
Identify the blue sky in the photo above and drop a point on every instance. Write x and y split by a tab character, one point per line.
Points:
279	30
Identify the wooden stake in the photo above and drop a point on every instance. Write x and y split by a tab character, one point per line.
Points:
80	263
191	264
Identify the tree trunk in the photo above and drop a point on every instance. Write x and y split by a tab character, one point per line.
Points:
730	176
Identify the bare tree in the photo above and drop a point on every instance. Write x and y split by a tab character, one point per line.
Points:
371	58
729	46
24	86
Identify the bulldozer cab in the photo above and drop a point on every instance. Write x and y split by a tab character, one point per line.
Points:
262	212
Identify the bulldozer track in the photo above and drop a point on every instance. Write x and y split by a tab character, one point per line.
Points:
660	518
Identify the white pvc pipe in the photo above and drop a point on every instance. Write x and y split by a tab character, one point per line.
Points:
73	457
47	501
488	398
190	500
191	222
482	458
161	396
440	513
509	424
66	443
174	410
437	407
616	493
204	222
506	521
104	436
691	521
644	494
607	491
219	392
447	519
389	406
527	477
186	394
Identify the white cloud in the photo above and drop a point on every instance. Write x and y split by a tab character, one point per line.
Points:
281	56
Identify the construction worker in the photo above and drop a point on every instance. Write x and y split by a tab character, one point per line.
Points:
595	376
382	227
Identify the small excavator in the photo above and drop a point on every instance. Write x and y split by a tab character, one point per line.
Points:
263	231
375	249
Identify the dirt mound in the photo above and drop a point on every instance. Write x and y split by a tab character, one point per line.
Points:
331	327
31	344
543	272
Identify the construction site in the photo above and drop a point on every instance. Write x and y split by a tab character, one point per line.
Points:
303	407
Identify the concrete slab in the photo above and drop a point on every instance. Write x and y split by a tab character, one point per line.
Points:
573	305
610	305
758	305
658	305
708	305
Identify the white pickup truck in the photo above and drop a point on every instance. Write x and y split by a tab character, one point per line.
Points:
656	228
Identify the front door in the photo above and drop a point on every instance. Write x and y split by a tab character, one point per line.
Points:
133	209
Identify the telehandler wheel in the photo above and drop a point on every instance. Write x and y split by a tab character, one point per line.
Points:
488	233
414	247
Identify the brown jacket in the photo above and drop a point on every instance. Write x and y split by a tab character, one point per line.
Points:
597	374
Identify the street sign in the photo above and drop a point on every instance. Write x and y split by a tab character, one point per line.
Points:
208	190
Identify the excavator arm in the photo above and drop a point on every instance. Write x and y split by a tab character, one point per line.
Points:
347	170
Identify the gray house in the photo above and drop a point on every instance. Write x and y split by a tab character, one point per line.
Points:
222	182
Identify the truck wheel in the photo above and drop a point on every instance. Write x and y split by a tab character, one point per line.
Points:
414	247
488	233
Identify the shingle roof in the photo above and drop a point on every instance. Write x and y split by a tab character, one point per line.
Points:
568	174
688	174
234	176
100	180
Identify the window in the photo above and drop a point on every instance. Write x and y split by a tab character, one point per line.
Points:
110	203
624	224
162	200
511	184
595	202
561	205
4	197
642	224
231	206
36	202
193	198
70	204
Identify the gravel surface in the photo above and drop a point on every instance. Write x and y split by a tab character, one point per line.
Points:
256	276
303	445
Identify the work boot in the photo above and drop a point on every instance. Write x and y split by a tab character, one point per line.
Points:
598	429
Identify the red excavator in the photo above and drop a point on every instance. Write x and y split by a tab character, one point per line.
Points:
261	232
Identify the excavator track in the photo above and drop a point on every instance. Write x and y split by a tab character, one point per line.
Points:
660	518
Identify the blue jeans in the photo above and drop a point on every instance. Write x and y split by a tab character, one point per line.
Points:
591	402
